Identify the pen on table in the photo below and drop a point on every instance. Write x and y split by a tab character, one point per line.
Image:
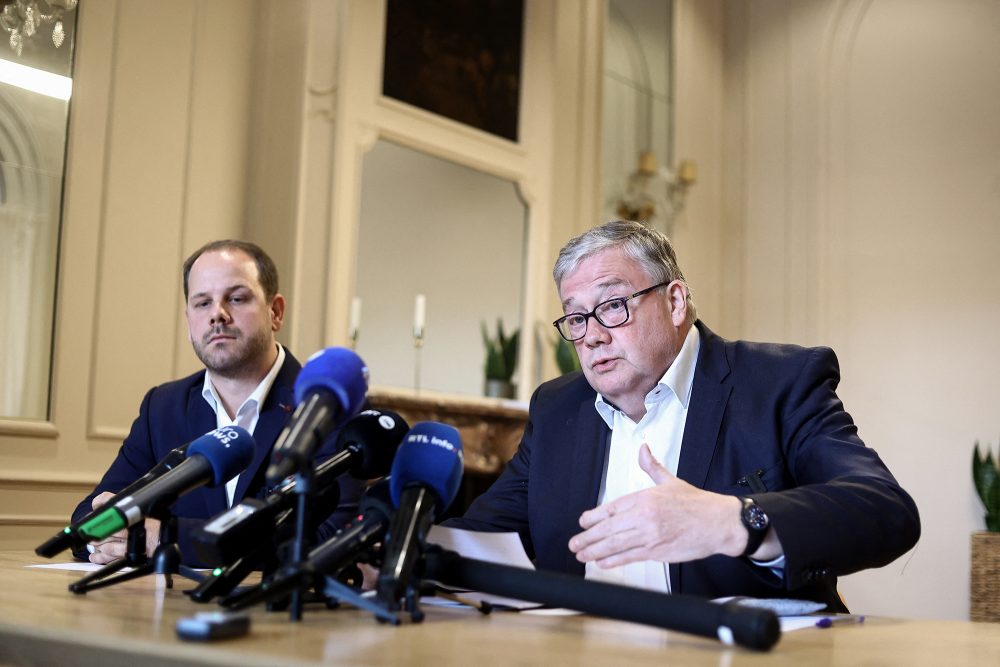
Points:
846	619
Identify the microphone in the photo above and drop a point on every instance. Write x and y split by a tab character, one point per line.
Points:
424	480
329	558
365	448
69	537
329	390
212	459
731	623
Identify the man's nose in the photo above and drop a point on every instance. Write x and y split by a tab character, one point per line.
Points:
220	315
597	333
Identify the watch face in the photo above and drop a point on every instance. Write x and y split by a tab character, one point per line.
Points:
755	517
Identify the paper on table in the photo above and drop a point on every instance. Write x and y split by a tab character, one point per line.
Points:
500	548
73	567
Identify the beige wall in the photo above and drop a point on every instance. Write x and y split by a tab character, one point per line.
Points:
158	139
859	171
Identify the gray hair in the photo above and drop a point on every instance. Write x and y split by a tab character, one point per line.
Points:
646	246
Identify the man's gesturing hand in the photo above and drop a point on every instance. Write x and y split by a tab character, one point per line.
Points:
670	522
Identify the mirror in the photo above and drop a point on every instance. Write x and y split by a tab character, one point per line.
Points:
35	86
639	181
438	229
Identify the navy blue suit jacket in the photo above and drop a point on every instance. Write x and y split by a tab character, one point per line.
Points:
175	413
765	422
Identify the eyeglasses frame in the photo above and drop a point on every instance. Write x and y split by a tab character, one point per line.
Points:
593	313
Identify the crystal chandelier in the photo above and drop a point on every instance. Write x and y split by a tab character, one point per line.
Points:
23	18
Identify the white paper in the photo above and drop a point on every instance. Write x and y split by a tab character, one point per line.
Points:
500	548
73	567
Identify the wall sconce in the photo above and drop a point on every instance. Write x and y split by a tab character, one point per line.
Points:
656	195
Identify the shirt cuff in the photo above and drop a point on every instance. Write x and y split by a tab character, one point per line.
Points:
776	565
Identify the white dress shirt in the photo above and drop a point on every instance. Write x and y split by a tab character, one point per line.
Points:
247	414
662	428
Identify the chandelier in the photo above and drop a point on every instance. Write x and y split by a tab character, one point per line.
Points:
23	18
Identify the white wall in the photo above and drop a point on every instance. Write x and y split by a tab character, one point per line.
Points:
863	199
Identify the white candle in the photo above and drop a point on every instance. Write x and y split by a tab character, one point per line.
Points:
355	315
419	314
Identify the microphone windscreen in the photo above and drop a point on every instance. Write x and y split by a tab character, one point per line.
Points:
430	455
228	450
339	371
376	434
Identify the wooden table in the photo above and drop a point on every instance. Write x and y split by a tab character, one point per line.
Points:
41	623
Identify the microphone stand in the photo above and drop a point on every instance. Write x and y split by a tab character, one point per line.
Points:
166	559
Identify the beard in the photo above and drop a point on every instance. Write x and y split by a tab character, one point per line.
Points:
241	356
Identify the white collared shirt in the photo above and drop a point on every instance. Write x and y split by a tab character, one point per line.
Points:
662	428
247	414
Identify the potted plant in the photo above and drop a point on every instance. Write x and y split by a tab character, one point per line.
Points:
984	586
501	359
566	359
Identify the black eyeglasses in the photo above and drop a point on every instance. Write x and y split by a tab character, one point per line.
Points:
610	314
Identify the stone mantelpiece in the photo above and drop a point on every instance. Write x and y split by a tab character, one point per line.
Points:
490	428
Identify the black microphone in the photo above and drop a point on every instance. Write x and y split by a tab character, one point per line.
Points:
329	390
731	623
69	537
365	448
212	459
342	550
424	480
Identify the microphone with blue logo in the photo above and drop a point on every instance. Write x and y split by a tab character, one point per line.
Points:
424	481
329	390
212	460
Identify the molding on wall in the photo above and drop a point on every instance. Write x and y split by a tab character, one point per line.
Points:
833	207
101	223
107	433
29	428
48	480
30	520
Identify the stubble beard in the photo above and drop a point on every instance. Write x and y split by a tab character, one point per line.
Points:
238	357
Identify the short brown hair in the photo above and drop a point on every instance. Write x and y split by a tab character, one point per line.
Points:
267	272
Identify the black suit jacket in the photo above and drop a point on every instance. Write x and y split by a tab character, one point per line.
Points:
175	413
764	421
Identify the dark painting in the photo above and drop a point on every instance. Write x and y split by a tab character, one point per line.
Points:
457	58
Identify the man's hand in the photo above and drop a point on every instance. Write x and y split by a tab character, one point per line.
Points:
671	522
114	547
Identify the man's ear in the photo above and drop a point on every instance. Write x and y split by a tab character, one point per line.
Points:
677	293
277	312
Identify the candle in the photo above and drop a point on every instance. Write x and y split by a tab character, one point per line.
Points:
355	316
419	315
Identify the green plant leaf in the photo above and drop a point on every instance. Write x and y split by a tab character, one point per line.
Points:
986	476
501	352
566	357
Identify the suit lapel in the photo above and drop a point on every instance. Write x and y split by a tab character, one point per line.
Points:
709	396
201	420
274	414
592	436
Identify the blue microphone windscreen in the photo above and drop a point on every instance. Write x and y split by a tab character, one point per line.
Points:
228	450
430	454
340	371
